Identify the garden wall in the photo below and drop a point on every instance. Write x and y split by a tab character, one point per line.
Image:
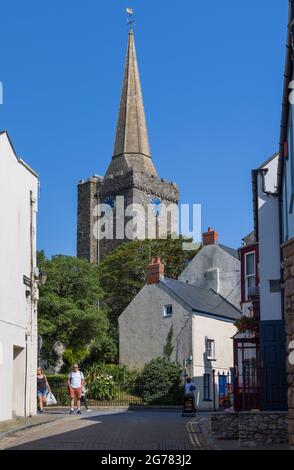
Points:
252	429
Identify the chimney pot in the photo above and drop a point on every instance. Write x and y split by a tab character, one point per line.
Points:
210	237
155	271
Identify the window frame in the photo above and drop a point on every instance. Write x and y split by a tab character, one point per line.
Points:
211	356
248	276
165	314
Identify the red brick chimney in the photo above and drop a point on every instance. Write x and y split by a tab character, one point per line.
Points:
155	271
210	237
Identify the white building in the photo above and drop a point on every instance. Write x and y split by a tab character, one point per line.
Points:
267	227
18	286
272	330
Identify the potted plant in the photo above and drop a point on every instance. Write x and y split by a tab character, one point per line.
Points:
247	324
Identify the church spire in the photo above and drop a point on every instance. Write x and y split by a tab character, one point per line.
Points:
131	149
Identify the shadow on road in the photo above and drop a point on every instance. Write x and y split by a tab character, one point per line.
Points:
116	430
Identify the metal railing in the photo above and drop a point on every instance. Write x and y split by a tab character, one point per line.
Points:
124	395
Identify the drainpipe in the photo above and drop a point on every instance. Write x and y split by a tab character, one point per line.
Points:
263	172
30	331
98	241
26	376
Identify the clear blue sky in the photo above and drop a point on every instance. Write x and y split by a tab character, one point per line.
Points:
211	72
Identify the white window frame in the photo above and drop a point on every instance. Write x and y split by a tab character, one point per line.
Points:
247	276
165	314
210	351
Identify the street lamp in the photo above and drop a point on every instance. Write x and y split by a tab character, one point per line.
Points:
43	277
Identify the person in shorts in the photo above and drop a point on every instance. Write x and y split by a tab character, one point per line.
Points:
43	388
75	384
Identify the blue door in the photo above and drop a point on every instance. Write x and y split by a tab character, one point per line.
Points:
273	379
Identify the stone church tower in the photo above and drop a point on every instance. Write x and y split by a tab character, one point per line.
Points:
131	172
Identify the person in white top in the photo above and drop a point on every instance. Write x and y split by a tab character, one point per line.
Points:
75	384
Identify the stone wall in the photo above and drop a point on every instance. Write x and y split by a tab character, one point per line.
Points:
288	255
87	200
262	429
135	187
225	426
252	429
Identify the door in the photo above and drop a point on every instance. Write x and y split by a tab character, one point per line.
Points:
273	365
18	389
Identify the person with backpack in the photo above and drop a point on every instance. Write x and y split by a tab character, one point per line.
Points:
75	384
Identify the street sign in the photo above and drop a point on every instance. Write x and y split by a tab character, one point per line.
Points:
27	281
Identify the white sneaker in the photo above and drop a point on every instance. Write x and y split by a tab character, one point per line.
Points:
88	410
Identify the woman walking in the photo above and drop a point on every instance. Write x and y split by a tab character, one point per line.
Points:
43	388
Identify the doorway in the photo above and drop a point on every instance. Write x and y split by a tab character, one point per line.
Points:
18	384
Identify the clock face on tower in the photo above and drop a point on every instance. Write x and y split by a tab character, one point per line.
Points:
156	205
110	202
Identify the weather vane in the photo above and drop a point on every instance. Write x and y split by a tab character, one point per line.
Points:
130	20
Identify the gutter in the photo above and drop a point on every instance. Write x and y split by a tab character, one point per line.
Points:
216	316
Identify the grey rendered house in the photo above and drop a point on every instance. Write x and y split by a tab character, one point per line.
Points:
202	321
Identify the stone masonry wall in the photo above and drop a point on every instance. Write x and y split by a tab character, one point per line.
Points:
225	426
252	429
87	200
288	256
135	187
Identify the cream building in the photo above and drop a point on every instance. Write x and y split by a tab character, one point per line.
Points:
202	321
18	284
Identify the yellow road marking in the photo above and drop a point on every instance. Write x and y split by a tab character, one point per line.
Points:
191	433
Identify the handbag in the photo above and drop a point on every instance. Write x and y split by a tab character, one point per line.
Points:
51	400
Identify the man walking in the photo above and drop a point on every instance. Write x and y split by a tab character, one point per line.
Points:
75	383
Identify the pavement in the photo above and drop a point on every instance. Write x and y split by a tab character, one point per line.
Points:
113	429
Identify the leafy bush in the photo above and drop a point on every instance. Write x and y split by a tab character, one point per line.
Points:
105	380
161	382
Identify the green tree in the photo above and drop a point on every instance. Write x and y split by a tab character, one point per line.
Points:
123	272
68	309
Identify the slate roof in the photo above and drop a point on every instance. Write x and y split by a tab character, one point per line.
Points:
229	250
202	300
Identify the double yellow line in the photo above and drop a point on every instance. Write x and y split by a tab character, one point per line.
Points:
192	434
